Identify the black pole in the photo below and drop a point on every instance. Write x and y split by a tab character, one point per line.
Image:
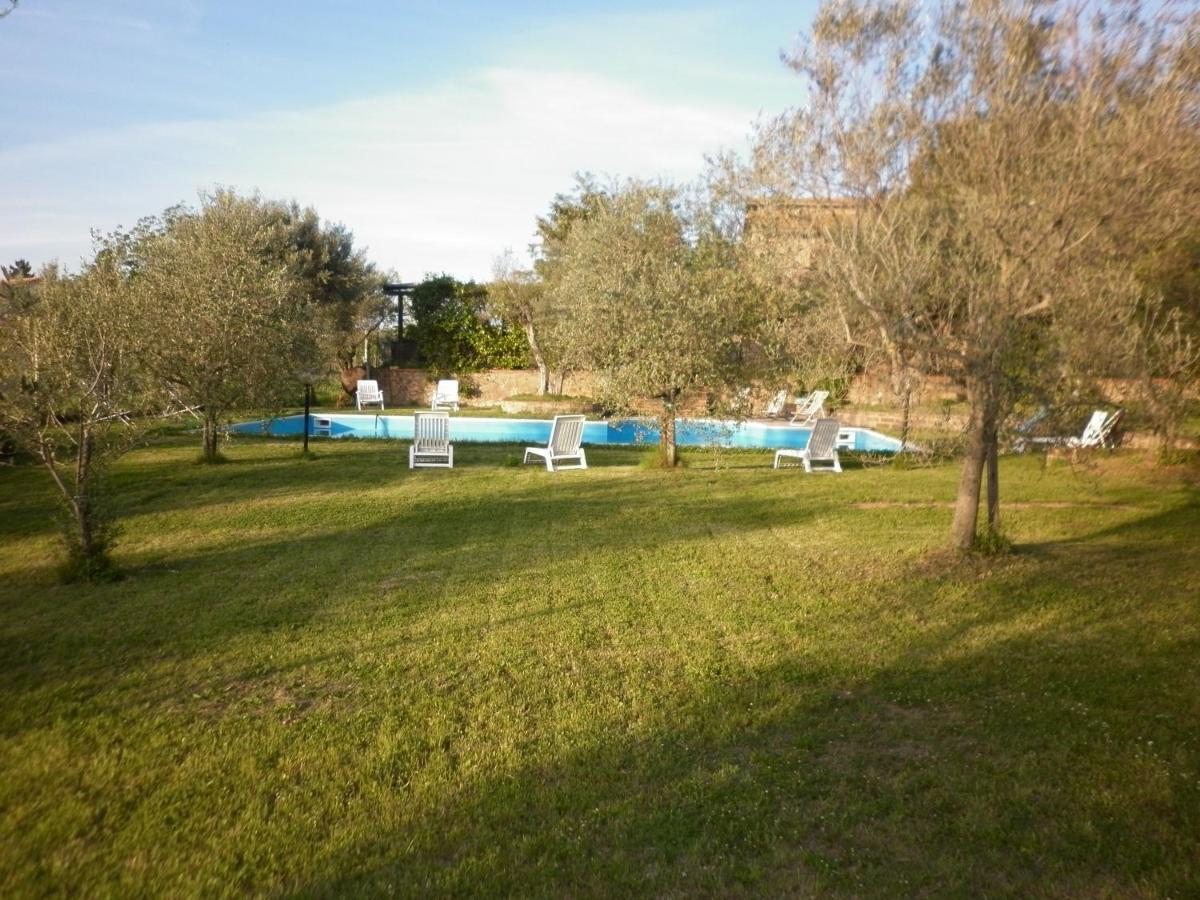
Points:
307	395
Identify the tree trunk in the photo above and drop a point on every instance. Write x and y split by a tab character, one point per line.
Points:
539	358
905	417
210	437
668	451
992	446
966	505
85	512
350	377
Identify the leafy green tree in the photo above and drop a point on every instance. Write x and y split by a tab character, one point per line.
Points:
1001	163
233	323
344	289
660	306
73	392
455	331
520	297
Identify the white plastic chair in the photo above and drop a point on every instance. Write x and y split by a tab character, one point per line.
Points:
368	392
809	409
446	394
1097	431
775	405
821	448
566	439
431	445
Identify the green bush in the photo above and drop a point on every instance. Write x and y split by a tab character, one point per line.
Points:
455	336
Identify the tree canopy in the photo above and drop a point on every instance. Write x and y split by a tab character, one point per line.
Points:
658	304
1001	162
456	332
233	323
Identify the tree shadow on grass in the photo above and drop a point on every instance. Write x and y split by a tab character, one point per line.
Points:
1004	748
1059	757
439	551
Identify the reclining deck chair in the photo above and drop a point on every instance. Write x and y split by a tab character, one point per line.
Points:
809	409
566	439
431	441
1096	433
775	405
368	392
1098	430
446	394
821	448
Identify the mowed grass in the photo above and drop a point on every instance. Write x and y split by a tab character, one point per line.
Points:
339	677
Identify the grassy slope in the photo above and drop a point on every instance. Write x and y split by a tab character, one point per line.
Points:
337	676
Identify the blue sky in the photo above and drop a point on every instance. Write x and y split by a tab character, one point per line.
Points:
436	131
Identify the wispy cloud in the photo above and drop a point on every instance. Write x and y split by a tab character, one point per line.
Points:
438	179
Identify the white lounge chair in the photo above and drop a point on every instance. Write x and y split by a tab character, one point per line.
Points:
809	409
368	392
431	441
566	439
446	394
775	405
1096	433
821	448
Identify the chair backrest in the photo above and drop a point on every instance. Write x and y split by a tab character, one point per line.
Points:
447	390
368	389
1100	434
822	443
775	406
566	435
1110	423
431	431
1093	432
816	400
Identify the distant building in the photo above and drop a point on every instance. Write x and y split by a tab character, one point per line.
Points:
792	228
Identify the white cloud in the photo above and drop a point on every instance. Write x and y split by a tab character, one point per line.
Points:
441	179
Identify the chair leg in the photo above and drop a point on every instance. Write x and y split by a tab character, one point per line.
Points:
582	459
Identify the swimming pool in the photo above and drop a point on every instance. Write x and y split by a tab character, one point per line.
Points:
617	432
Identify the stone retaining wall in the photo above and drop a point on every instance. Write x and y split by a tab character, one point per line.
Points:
414	387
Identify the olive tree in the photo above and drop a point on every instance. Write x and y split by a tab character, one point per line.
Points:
232	324
343	288
73	393
657	300
1001	162
521	297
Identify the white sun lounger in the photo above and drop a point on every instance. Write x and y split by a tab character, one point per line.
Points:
566	439
431	445
775	405
1096	433
821	449
368	392
446	394
809	409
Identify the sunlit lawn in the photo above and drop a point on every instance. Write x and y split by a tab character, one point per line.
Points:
336	676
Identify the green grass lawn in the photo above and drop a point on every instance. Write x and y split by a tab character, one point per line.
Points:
339	677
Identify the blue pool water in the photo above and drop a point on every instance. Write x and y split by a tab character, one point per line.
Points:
690	432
